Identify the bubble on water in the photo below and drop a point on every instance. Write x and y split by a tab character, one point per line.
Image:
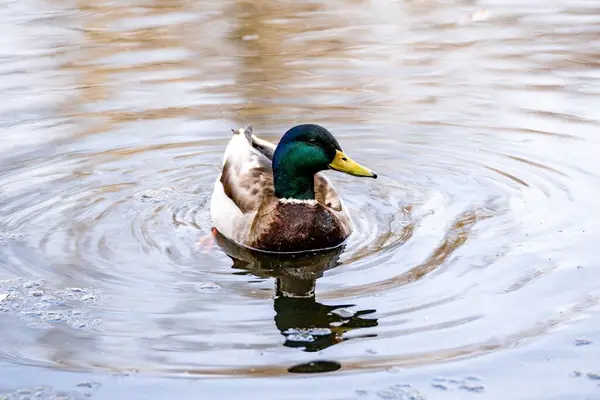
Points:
343	312
42	307
319	331
89	298
582	342
401	392
16	236
303	337
472	388
11	237
79	324
89	385
53	316
468	383
5	238
32	284
207	287
43	393
595	376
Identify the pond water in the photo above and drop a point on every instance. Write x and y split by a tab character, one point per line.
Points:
472	272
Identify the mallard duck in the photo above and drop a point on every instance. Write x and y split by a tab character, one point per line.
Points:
276	198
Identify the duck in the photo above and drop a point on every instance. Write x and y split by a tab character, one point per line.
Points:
276	198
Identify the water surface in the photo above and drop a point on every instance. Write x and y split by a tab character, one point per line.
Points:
472	272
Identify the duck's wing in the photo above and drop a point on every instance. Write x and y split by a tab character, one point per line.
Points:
266	148
247	175
326	194
246	182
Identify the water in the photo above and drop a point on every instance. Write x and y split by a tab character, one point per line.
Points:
472	272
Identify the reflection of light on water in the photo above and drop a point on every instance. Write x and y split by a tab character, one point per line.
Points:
479	238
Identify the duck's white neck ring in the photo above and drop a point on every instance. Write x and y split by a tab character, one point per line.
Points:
311	202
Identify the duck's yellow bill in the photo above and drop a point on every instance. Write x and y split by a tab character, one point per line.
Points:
343	163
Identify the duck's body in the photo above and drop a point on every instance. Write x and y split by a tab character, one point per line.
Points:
275	199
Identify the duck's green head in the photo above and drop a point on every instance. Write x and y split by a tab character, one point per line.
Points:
303	151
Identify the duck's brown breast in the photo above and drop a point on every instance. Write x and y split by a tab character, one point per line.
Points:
296	226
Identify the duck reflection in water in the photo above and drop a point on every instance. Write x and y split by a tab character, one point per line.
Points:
303	321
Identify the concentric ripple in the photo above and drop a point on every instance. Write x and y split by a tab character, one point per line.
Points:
478	237
420	271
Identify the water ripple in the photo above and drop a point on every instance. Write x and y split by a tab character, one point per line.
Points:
478	238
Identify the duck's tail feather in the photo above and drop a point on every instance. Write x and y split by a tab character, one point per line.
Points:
247	131
259	144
